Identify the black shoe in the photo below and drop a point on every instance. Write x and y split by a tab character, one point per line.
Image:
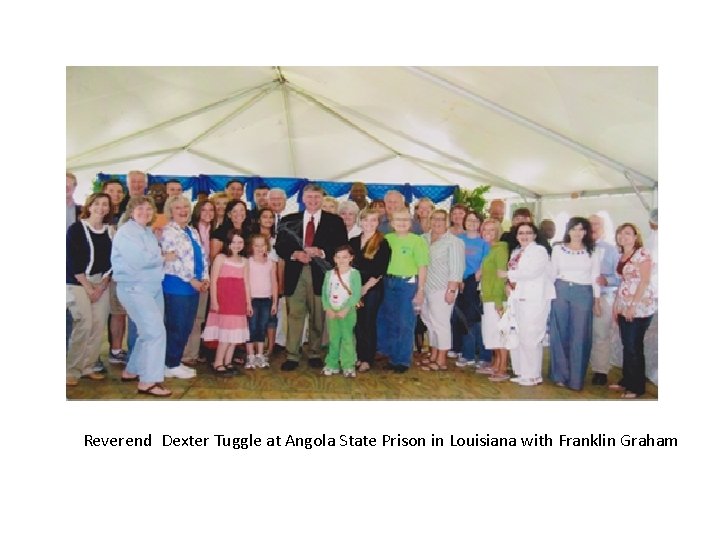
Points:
316	363
400	369
289	365
278	348
389	367
599	379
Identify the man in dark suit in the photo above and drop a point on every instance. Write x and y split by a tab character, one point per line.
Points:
307	241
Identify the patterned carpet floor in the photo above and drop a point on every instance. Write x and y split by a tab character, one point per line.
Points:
309	384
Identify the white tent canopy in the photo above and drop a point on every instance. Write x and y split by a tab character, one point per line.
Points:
537	134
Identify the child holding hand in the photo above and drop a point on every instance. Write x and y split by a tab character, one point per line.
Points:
340	295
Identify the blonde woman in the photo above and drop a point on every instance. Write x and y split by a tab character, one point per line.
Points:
494	298
186	276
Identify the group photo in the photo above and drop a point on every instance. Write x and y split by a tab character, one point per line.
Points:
361	234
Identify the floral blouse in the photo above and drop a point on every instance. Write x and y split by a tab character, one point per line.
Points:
629	284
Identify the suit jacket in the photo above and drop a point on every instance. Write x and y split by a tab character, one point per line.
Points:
330	234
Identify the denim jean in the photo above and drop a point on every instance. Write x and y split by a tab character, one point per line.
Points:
132	334
571	322
472	344
68	328
397	320
144	304
258	323
632	334
180	310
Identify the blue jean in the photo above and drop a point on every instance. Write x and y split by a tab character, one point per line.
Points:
472	343
632	335
180	310
396	320
144	304
68	329
258	323
571	320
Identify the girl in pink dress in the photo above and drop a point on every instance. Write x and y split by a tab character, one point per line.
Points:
230	303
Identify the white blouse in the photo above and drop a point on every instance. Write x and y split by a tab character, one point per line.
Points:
576	266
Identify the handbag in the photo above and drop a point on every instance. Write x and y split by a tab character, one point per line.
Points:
507	325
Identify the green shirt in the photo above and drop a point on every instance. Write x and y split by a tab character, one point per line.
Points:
493	287
408	254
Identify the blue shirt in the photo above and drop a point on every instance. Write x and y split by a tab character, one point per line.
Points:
476	249
608	266
136	255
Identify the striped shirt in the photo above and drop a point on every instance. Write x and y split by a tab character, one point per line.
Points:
447	261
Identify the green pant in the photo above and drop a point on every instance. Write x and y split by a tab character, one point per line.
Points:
341	352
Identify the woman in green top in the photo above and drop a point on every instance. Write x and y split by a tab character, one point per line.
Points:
493	295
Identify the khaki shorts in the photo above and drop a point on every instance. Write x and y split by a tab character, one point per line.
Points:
116	308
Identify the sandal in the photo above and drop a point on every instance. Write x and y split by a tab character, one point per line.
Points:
157	390
363	367
434	366
222	371
628	395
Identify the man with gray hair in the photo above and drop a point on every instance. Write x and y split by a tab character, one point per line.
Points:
608	280
277	325
395	202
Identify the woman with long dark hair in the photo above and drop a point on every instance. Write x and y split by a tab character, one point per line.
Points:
576	268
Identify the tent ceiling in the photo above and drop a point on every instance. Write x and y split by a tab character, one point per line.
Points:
389	124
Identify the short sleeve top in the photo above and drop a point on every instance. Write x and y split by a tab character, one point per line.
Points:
630	282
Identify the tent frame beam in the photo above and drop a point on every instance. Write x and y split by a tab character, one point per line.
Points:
597	193
242	108
224	163
288	119
377	161
171	121
496	180
526	122
130	157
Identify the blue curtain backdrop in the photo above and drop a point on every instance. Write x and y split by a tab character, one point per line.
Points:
291	186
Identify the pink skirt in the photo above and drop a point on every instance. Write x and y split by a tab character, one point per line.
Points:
226	328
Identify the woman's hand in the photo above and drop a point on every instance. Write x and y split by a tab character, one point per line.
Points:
273	309
597	307
249	309
342	313
329	314
197	284
169	256
214	306
419	297
205	285
630	312
500	310
478	274
450	296
502	274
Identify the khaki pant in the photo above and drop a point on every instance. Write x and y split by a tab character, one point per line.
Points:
89	323
601	336
304	302
192	348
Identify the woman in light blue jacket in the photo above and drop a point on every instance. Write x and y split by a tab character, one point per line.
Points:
138	271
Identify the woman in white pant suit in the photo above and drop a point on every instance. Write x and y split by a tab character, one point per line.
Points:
530	289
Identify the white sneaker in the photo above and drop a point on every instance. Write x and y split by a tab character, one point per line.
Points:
251	362
452	354
262	361
349	373
180	372
527	382
463	362
328	371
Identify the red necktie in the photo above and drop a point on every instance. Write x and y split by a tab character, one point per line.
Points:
310	232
